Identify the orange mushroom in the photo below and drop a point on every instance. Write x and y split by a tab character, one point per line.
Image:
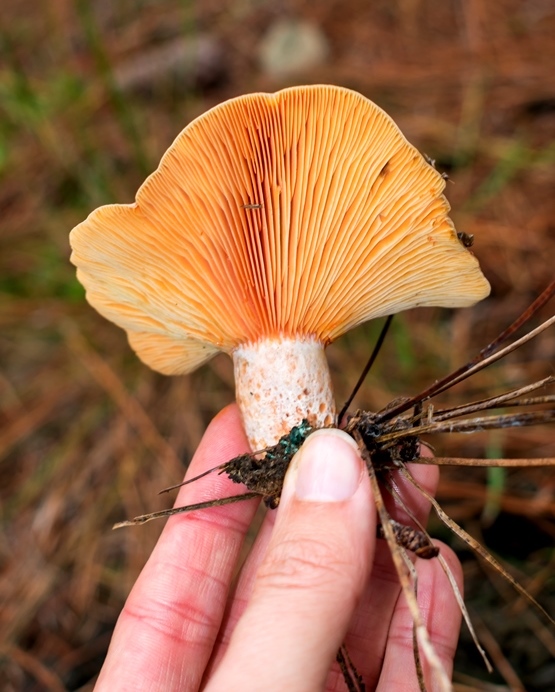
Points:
275	223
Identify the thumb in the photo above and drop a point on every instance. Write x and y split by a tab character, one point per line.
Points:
315	568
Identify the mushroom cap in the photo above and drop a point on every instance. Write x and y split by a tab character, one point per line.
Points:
296	214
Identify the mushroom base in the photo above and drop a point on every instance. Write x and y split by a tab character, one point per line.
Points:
278	383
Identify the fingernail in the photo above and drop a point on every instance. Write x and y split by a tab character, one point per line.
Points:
327	467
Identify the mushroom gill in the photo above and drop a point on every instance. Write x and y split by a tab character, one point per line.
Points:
274	217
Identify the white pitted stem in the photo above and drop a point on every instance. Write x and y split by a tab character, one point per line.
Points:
279	382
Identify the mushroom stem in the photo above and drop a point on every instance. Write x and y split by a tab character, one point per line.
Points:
279	382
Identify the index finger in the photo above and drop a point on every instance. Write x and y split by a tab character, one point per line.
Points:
166	631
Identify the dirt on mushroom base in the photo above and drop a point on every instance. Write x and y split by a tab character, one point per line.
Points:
90	436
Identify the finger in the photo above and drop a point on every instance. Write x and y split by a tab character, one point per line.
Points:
165	633
367	634
442	617
311	576
368	631
241	592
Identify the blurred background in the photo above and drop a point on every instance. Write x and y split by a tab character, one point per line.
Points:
91	95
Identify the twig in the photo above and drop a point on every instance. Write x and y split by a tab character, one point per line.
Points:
422	633
448	573
508	420
491	402
473	543
477	362
143	518
366	368
462	461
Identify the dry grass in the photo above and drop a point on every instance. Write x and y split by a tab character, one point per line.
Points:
88	435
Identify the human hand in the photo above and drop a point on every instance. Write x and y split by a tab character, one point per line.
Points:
315	577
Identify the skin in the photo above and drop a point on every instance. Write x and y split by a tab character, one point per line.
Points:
315	577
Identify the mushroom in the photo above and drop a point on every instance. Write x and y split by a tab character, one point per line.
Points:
273	224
